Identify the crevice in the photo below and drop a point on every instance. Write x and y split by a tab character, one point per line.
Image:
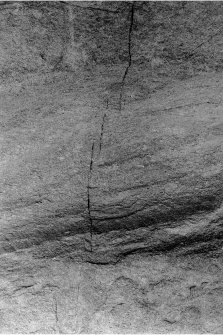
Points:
184	106
23	287
104	263
192	53
89	198
56	316
102	127
129	54
102	132
89	186
170	321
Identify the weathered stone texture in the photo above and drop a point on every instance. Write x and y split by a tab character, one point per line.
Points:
83	182
156	169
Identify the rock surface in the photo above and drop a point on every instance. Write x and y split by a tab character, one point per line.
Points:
79	174
83	181
141	294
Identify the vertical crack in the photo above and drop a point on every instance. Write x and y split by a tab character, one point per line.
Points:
102	128
102	132
56	315
88	196
129	53
89	187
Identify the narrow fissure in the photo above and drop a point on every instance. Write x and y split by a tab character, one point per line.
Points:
89	186
56	315
88	196
103	122
129	54
102	129
102	132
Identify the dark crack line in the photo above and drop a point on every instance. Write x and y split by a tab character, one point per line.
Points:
88	195
129	54
102	127
24	287
105	263
107	103
102	132
56	315
190	54
183	106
